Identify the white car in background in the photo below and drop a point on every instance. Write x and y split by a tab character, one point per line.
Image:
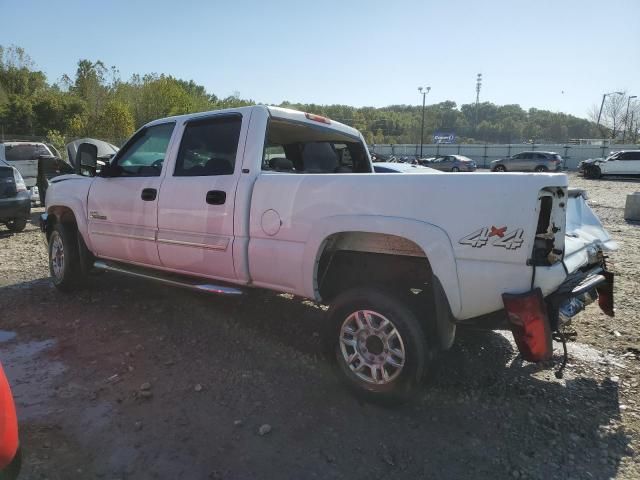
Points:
624	162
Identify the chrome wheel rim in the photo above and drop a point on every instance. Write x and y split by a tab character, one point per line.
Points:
372	347
57	256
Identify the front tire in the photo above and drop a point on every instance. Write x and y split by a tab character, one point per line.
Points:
17	224
64	258
500	168
378	344
593	172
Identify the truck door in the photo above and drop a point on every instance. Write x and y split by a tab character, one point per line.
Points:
123	209
196	206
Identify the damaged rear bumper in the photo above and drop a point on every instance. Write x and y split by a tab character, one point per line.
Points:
533	319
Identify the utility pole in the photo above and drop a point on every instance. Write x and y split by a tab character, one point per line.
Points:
626	118
604	96
478	87
423	91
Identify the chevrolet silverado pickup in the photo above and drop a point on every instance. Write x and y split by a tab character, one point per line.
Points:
278	199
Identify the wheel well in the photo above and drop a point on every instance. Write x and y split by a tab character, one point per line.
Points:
352	259
57	215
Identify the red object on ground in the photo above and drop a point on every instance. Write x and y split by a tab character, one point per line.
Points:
527	315
8	423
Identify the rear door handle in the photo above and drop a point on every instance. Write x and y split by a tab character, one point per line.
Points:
149	194
216	197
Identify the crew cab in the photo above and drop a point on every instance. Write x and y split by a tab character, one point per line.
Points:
274	198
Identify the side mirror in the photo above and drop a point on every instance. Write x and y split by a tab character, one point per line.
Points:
86	160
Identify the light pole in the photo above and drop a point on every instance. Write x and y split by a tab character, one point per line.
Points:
626	118
423	91
478	87
604	96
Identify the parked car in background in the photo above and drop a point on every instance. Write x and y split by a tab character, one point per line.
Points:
10	457
104	152
528	162
450	163
25	156
15	199
392	167
624	162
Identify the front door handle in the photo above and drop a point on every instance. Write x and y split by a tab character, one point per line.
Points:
216	197
149	194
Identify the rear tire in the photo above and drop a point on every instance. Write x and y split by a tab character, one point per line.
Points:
500	168
378	345
455	169
64	257
17	224
540	169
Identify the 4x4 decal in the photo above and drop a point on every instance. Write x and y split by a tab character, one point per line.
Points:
497	237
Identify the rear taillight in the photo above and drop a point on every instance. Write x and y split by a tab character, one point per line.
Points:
20	185
605	294
527	315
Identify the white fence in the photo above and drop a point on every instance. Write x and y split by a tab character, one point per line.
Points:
484	154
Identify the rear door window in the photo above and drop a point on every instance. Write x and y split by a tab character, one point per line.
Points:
209	147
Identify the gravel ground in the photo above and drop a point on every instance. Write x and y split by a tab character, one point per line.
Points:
129	380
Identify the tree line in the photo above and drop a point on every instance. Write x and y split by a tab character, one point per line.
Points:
96	102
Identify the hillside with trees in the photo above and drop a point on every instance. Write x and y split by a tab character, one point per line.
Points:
96	102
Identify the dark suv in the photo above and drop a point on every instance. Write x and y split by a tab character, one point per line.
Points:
15	199
528	162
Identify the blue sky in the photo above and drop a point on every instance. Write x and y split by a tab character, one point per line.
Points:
350	52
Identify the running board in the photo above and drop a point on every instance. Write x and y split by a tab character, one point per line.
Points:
166	278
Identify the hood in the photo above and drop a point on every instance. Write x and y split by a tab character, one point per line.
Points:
70	176
592	160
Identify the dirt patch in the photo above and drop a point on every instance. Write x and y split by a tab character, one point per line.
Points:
127	379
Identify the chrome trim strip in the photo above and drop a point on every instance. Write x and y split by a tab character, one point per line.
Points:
191	239
123	235
192	244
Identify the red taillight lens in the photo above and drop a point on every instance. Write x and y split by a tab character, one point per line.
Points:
527	315
605	294
8	423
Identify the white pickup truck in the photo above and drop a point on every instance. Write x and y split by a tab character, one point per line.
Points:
284	200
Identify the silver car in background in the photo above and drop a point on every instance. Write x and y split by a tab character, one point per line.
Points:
450	163
529	162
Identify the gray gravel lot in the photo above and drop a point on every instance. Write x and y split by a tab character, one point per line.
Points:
131	380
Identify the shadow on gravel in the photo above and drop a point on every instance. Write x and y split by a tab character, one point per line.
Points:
615	179
259	359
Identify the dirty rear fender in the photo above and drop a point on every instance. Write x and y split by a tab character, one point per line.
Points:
433	241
